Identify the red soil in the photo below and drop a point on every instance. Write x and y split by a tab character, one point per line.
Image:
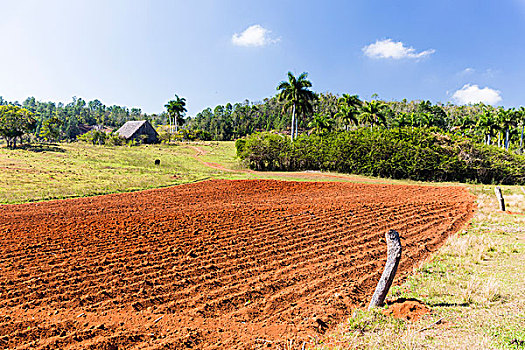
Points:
217	264
407	309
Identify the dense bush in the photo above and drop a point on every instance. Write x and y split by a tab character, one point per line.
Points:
400	153
99	137
95	137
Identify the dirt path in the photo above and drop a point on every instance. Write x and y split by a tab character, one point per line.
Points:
212	265
202	152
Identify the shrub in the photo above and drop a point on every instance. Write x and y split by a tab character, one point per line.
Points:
95	137
401	153
98	137
114	139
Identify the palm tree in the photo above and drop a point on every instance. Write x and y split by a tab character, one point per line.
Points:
401	120
348	115
413	119
487	124
426	120
373	113
506	120
350	100
296	95
349	109
521	117
464	122
175	110
321	124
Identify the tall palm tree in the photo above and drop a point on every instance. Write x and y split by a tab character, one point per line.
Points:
521	117
373	113
296	95
506	120
348	115
176	108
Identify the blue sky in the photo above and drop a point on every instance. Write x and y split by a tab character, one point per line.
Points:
140	53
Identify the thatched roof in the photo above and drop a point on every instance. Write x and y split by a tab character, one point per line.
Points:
129	128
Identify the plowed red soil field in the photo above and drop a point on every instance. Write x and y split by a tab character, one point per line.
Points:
215	265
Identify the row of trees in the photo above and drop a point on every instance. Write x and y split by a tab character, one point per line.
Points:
58	121
296	109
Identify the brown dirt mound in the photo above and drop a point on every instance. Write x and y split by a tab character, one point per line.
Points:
217	264
407	309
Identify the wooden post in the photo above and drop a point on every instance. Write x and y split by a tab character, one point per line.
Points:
500	198
392	261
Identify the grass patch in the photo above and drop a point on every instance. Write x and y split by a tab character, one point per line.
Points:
475	286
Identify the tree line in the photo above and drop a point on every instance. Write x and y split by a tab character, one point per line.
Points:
59	121
296	109
293	110
401	153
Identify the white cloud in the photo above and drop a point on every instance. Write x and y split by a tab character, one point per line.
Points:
253	36
395	50
473	94
468	71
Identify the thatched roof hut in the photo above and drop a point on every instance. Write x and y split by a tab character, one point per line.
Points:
136	128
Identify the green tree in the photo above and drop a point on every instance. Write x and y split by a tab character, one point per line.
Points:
96	137
15	122
176	109
373	113
50	130
401	120
487	124
521	117
296	95
506	120
464	123
349	109
321	124
72	130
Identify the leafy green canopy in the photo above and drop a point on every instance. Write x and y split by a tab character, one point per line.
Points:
176	109
401	153
14	123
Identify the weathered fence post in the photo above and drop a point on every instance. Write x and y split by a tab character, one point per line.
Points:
500	198
392	261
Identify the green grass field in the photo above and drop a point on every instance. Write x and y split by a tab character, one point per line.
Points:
79	169
475	285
